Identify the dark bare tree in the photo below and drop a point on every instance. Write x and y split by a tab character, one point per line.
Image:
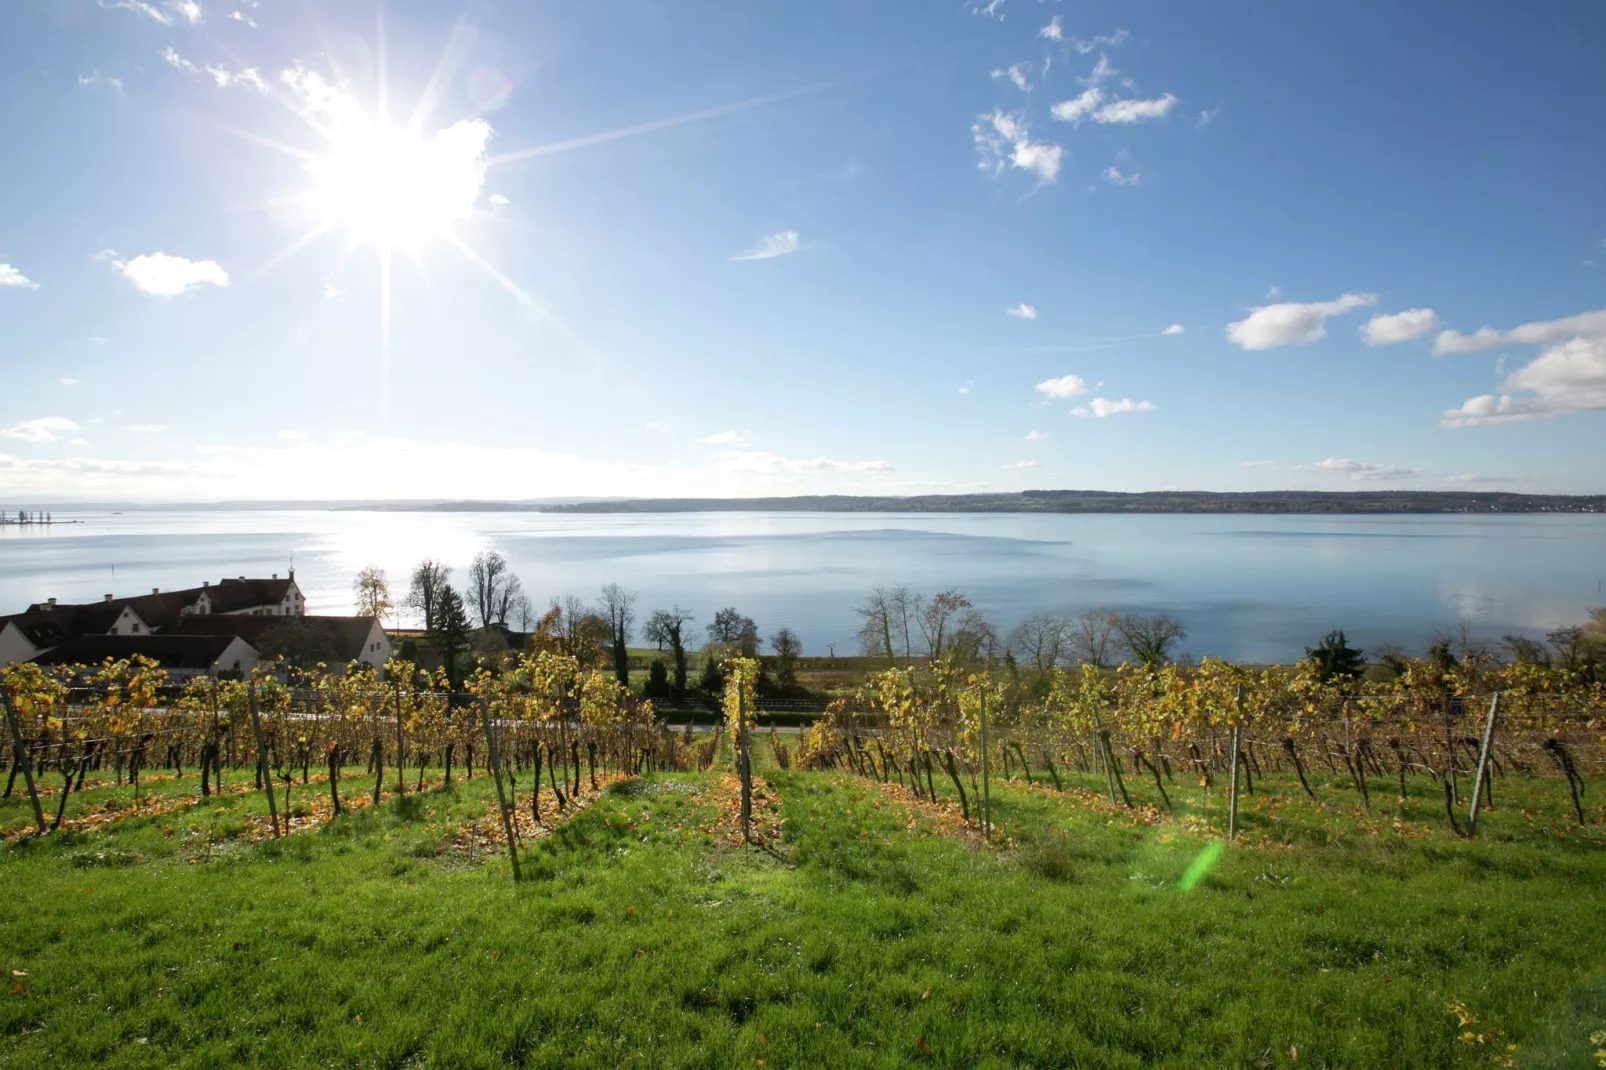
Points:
423	597
1094	637
1149	639
887	614
730	628
1042	640
668	626
619	609
936	616
973	640
508	599
487	577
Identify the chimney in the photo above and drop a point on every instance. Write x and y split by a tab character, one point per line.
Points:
108	598
242	579
275	575
206	583
52	604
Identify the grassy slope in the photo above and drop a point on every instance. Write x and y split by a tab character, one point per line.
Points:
640	940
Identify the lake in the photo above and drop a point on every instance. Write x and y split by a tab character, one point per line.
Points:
1254	588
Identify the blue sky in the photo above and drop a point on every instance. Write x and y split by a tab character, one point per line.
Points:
730	248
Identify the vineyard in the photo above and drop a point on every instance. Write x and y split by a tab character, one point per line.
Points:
957	865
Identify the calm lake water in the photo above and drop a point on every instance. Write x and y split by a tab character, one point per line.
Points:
1257	588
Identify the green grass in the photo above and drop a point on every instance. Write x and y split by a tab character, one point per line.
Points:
639	939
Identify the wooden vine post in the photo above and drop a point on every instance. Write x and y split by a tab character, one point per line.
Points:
986	788
501	797
262	757
1483	762
401	746
19	755
744	766
1232	782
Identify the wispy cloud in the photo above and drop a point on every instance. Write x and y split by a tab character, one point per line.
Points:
1016	73
1404	326
1135	111
139	6
1078	107
145	429
771	246
1116	177
11	277
1119	37
1023	464
1022	311
1175	328
1033	436
1003	138
1207	117
1054	31
1066	386
1540	332
498	200
178	62
240	16
189	10
1361	470
1099	408
333	292
248	77
96	78
725	438
992	9
970	384
291	435
1292	323
761	462
69	381
1258	464
42	429
162	275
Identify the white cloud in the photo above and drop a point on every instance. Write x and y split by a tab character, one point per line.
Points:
1361	470
1102	71
1022	464
1258	464
1078	107
1022	311
1207	117
240	16
1541	332
1016	73
1566	378
1114	176
168	276
79	442
1175	328
1066	386
969	385
289	435
1472	477
762	462
11	277
1034	436
1135	111
771	246
498	200
1053	31
333	292
223	78
1002	138
145	429
1291	323
993	9
1099	408
69	381
96	78
1404	326
189	9
725	438
178	62
1273	291
1110	40
43	429
140	6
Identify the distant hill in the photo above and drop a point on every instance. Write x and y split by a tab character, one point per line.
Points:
1100	501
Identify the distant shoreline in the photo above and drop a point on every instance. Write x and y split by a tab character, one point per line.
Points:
1031	501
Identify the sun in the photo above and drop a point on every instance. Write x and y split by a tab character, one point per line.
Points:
394	186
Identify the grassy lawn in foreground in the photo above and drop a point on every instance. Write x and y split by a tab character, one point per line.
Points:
875	931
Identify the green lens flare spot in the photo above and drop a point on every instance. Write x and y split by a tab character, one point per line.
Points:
1201	865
